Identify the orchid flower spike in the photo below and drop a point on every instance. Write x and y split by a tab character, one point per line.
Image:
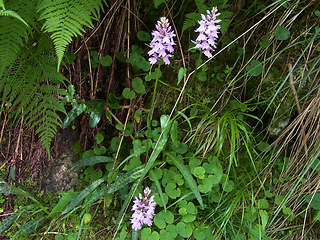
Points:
143	210
208	32
162	42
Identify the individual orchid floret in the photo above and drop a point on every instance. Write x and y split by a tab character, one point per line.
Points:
208	32
143	210
162	42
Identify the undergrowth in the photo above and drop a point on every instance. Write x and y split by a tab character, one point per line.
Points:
228	144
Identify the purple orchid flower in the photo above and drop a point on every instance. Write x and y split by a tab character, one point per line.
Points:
143	210
208	32
162	42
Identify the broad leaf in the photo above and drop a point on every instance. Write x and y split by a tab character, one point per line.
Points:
187	176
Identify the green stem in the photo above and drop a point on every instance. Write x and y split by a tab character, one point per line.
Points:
153	100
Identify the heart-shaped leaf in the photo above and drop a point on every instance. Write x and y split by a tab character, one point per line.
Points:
128	94
281	33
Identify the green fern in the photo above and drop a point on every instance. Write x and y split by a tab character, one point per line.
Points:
14	28
11	39
65	19
28	89
192	20
13	14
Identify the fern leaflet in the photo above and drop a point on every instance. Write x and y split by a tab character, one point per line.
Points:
27	90
65	19
14	28
192	20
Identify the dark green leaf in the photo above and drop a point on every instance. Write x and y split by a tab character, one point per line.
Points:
75	112
157	3
90	161
143	36
96	114
138	85
63	202
264	42
174	132
128	94
106	61
31	226
138	61
315	202
255	68
121	181
82	195
202	76
281	33
187	176
13	172
9	220
181	73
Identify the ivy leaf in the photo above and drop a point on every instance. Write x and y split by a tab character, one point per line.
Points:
128	94
99	138
315	203
146	234
214	168
265	42
172	190
206	185
143	36
281	33
202	76
106	61
139	62
263	204
199	172
185	230
162	218
138	85
255	68
317	217
180	147
170	232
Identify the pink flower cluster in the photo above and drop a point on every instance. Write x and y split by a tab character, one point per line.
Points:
143	210
162	42
208	32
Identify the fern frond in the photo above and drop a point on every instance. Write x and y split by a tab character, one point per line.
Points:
65	19
27	89
15	20
9	13
11	39
191	20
